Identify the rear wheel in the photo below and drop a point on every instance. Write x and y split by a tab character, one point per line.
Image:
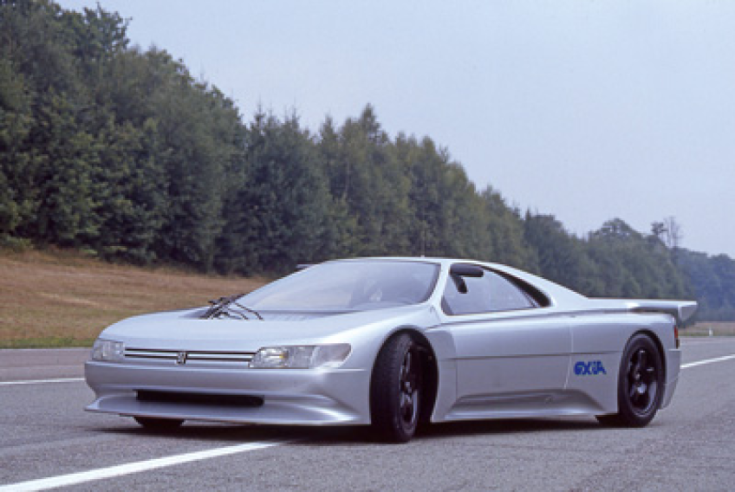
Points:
640	384
152	423
396	390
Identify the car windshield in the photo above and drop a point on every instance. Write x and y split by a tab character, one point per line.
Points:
354	285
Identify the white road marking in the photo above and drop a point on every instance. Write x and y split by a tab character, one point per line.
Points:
137	467
40	381
707	361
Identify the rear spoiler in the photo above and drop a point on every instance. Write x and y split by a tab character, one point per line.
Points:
681	310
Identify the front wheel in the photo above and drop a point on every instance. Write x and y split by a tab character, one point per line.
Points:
395	390
156	424
640	384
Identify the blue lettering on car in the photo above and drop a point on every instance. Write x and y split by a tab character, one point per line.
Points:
591	368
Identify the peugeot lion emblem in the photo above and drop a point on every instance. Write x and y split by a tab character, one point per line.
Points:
181	358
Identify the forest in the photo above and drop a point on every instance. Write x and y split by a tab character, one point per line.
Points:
120	153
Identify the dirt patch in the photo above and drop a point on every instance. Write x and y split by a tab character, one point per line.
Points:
63	299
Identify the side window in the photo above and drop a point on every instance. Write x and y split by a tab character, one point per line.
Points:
489	293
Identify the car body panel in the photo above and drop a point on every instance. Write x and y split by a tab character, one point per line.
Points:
502	361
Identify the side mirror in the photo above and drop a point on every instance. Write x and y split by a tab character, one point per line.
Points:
460	270
466	270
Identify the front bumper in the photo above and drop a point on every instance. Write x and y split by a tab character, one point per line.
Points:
289	396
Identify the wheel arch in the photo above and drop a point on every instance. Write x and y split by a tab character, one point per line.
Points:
629	413
429	368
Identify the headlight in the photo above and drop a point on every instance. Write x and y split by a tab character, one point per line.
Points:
108	351
301	356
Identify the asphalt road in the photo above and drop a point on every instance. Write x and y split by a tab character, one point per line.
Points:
44	434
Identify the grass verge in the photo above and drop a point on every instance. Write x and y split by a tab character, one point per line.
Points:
710	329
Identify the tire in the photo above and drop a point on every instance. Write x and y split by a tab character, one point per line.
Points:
155	424
396	390
640	384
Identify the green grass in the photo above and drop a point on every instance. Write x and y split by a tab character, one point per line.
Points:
49	342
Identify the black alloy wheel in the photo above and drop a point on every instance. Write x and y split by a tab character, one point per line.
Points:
395	393
642	379
640	384
408	389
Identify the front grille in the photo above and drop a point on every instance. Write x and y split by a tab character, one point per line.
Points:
184	356
200	399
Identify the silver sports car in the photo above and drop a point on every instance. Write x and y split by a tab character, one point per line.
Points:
393	342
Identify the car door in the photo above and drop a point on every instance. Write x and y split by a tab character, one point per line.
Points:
512	354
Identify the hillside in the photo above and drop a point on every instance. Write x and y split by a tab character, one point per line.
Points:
54	299
64	299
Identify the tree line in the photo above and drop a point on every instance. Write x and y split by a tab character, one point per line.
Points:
121	153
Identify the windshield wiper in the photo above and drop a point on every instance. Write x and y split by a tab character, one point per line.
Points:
253	311
221	307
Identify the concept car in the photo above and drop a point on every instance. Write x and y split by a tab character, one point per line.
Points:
392	342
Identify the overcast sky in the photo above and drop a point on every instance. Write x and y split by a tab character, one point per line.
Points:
587	110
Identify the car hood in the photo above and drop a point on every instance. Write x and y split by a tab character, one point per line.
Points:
184	330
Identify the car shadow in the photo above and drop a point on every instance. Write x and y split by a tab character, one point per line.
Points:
507	426
350	436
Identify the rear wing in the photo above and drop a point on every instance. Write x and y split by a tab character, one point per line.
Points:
681	310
